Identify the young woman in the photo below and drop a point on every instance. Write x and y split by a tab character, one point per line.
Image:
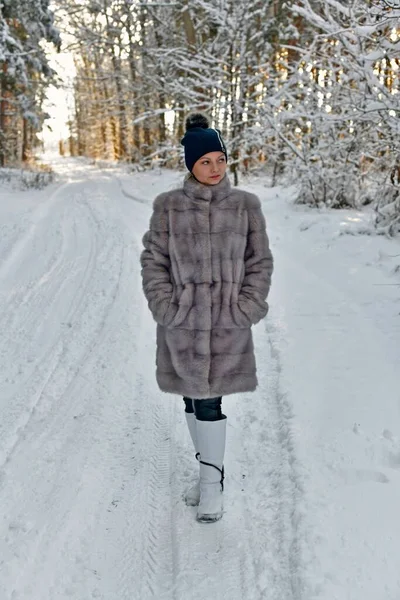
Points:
206	269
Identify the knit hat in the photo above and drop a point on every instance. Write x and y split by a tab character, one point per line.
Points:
200	139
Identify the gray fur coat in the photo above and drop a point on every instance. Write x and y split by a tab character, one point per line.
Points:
206	269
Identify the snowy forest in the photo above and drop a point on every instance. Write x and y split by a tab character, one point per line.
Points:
305	89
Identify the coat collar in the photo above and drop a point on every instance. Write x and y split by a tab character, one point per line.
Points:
209	193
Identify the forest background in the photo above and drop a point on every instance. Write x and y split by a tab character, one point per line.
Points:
305	90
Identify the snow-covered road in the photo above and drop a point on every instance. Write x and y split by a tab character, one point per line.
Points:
94	459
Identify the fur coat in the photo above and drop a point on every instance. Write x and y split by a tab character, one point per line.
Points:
206	270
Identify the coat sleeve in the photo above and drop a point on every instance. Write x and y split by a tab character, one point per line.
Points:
156	265
259	266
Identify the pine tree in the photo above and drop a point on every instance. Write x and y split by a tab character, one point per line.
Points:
24	70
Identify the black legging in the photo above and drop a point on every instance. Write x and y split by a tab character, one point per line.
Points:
208	409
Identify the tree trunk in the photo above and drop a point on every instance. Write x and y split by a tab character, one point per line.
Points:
190	31
118	78
130	29
3	118
25	141
161	95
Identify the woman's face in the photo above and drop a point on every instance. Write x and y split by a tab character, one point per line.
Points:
210	168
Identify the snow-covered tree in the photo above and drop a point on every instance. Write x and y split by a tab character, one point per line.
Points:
306	87
24	69
347	118
174	58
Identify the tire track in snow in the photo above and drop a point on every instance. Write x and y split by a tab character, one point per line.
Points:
267	479
48	289
50	383
160	551
52	430
63	270
128	195
46	364
36	217
288	483
147	542
157	576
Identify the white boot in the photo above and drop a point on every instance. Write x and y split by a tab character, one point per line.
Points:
211	437
192	496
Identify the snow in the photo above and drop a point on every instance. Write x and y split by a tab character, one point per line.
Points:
94	458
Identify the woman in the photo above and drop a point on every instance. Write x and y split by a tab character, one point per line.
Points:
206	269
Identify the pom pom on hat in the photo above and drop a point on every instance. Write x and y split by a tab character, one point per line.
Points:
200	139
197	120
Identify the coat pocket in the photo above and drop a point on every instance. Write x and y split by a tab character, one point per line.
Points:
185	303
170	313
240	317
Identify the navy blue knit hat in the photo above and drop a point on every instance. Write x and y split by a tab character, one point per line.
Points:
200	139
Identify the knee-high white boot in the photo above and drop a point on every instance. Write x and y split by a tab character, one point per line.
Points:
211	436
192	496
